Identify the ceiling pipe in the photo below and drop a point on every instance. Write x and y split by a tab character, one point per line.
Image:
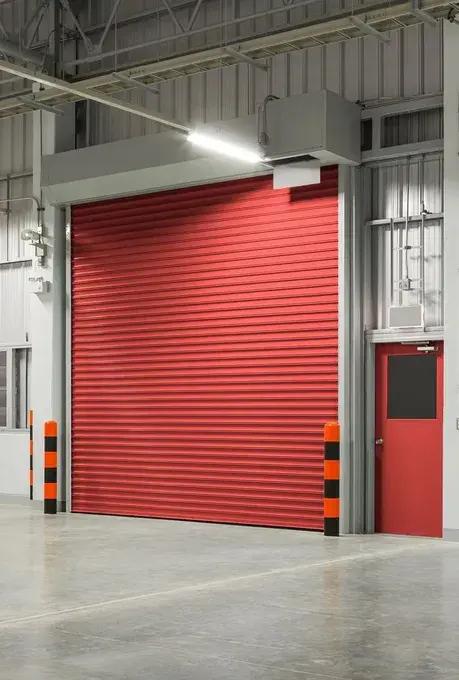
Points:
81	92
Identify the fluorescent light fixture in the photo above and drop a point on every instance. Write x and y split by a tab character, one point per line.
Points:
216	145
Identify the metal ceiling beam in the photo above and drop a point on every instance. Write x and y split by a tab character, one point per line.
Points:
331	29
177	23
16	94
379	12
368	29
244	58
421	14
134	83
30	101
293	38
35	20
90	47
13	50
81	92
194	14
110	21
189	32
3	30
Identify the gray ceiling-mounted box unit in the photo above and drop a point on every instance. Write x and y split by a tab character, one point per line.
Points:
318	126
321	124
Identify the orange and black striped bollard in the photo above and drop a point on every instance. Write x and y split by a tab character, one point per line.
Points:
331	479
50	477
30	426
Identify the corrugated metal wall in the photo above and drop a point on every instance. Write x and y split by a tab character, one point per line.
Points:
363	69
18	216
16	144
391	183
398	188
15	159
433	271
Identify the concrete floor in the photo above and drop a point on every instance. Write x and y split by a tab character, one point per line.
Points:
106	598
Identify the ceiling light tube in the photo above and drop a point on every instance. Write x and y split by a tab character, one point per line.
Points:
216	145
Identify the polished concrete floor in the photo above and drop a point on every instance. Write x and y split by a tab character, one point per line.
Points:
106	598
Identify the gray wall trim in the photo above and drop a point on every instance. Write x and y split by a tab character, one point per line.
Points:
451	279
343	344
370	398
451	534
351	353
148	180
14	499
400	335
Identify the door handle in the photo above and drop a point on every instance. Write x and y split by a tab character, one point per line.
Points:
379	442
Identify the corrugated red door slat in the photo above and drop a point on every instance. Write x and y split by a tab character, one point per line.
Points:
204	352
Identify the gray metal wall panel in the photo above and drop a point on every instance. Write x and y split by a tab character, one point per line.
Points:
387	182
362	69
16	144
433	272
14	295
21	215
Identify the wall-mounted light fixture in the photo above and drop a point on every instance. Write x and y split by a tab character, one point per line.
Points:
215	144
30	236
35	239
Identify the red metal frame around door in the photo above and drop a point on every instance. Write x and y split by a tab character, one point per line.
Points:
408	448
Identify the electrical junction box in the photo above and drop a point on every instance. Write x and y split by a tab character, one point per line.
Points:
408	316
38	285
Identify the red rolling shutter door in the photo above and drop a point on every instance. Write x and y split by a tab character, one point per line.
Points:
204	352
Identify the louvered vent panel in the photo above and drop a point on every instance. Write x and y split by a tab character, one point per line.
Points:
204	352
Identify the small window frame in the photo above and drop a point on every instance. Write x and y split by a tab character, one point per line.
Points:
412	396
11	387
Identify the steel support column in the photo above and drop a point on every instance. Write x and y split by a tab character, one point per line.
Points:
351	353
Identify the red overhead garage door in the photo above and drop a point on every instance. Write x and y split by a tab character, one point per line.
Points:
204	352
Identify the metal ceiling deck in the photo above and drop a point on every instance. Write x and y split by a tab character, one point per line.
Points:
335	28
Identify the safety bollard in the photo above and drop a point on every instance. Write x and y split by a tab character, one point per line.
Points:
30	426
50	472
331	479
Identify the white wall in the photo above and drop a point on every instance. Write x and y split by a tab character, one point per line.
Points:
15	159
14	463
24	316
47	310
451	432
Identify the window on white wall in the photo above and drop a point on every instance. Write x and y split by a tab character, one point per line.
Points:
22	360
15	365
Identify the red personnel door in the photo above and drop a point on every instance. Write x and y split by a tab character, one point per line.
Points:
409	418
